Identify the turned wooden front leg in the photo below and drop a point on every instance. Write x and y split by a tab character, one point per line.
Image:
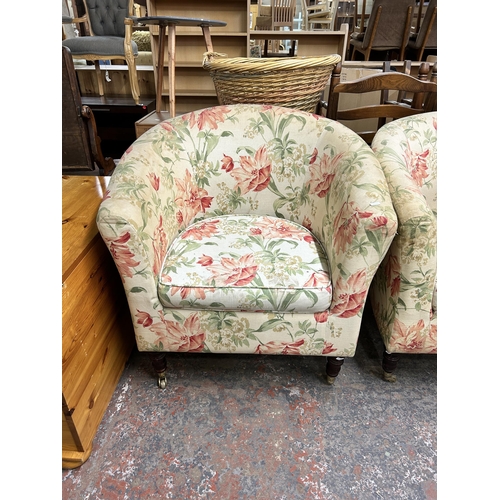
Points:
333	365
159	362
389	364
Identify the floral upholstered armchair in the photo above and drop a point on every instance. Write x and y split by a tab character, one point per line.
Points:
247	229
404	291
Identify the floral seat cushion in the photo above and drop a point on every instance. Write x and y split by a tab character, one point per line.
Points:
246	262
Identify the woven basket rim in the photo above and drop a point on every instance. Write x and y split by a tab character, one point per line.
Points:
243	64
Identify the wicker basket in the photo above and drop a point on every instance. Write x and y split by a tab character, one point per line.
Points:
292	82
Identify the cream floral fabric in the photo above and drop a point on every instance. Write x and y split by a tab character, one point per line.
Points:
264	163
246	262
404	291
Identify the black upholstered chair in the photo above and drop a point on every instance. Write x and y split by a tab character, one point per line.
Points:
111	38
388	29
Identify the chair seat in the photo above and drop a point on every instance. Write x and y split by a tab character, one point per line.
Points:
246	262
98	45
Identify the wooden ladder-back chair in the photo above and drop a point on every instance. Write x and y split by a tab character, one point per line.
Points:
388	29
110	26
322	14
276	16
81	150
426	73
384	110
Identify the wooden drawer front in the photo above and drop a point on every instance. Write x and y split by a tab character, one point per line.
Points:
97	338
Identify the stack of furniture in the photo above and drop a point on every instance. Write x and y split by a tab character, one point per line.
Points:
194	86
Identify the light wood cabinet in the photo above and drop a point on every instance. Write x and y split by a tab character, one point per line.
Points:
97	332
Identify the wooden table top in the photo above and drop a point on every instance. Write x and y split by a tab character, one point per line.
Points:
81	197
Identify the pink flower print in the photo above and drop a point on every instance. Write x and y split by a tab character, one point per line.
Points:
167	126
377	222
239	272
322	174
179	337
201	231
316	280
307	223
393	274
123	257
144	318
349	295
416	163
185	291
321	317
313	156
346	224
275	347
227	163
154	180
254	174
328	349
272	227
190	199
205	260
408	338
210	117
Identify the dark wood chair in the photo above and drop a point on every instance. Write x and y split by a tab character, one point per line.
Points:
81	150
426	73
388	30
423	98
424	40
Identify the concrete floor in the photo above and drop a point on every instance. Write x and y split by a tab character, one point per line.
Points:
234	427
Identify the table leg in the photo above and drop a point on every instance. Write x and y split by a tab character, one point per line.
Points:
208	38
171	70
159	73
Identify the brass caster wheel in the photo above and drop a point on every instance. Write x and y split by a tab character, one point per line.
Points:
389	377
162	382
330	380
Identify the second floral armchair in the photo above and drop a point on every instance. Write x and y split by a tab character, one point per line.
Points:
248	229
404	290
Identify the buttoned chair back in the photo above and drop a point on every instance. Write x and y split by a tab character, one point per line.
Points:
404	291
110	25
248	229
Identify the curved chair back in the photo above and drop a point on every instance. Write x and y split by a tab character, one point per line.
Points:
107	17
383	82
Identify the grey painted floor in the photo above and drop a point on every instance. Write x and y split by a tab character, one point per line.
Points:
266	427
